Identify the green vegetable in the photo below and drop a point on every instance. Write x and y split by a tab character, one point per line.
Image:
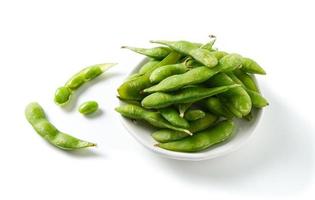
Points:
186	95
132	89
153	118
63	94
172	116
246	79
158	53
194	114
250	66
163	72
215	106
36	117
196	75
167	135
88	107
203	140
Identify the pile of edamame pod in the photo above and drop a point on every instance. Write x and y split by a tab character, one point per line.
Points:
191	92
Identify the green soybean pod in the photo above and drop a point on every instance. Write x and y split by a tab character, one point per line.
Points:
158	53
202	56
185	95
163	72
88	107
196	75
153	118
250	66
258	101
167	135
246	79
148	66
132	90
215	106
172	116
63	94
236	100
182	108
194	114
35	115
202	140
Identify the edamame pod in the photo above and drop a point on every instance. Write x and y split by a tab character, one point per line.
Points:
190	49
250	66
172	116
167	135
158	53
132	90
182	108
246	79
194	114
148	66
35	115
63	94
215	106
203	140
186	95
153	118
236	99
196	75
163	72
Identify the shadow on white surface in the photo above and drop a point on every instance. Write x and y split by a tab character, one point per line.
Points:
75	96
277	161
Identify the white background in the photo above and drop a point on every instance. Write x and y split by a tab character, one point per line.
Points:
42	43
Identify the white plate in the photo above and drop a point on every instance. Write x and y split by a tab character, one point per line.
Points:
142	133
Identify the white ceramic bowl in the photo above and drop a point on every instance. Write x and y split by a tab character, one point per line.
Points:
142	133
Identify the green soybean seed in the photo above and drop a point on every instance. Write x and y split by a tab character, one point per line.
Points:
36	117
190	49
132	90
215	106
163	72
194	114
153	118
148	66
246	79
203	140
250	66
167	135
236	100
63	94
158	53
186	95
172	116
88	107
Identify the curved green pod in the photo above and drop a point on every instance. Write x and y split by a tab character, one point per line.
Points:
158	53
163	72
35	115
132	89
250	66
194	114
202	140
172	116
185	95
215	106
167	135
152	117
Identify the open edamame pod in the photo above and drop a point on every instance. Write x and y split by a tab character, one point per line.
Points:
64	93
202	140
36	116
